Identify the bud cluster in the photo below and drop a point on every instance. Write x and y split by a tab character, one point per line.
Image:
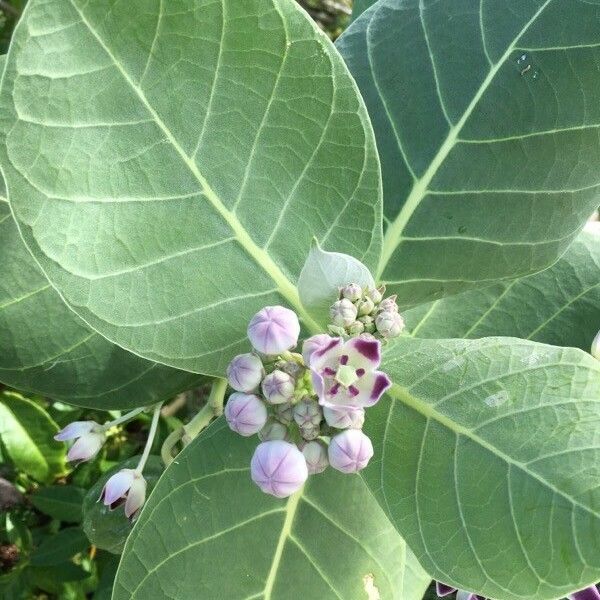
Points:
308	409
364	310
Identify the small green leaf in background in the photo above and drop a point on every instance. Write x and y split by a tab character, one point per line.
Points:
62	502
322	276
60	547
27	432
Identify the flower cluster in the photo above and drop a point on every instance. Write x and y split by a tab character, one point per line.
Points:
365	310
308	409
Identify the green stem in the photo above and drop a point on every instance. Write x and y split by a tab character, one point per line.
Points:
217	396
150	440
212	409
126	417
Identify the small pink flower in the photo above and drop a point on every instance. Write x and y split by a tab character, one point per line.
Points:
126	486
245	372
273	330
350	451
278	468
344	373
89	436
246	414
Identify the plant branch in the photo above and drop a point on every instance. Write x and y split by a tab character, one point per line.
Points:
150	440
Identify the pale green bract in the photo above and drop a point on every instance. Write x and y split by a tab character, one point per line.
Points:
486	115
330	540
171	187
487	459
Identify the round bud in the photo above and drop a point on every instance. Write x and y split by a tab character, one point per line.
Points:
375	295
278	387
284	413
273	430
350	451
389	324
246	414
356	328
273	330
343	313
278	468
245	372
352	292
366	307
308	412
309	432
596	347
344	417
388	305
315	454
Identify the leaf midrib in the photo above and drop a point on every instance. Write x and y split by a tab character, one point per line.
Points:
398	393
393	235
285	286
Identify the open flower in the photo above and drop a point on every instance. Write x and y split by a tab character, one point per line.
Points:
89	436
127	486
273	330
278	468
344	373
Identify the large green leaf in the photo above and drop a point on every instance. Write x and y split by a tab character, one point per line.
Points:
486	115
359	7
559	306
47	349
170	186
487	459
209	532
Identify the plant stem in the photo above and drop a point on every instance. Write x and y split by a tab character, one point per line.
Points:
217	396
126	417
150	440
212	409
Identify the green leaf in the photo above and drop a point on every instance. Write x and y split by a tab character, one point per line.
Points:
26	432
60	547
359	7
62	502
487	459
45	348
486	116
329	541
559	306
181	178
322	276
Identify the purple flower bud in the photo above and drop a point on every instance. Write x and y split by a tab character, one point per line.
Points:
273	430
245	372
375	294
389	324
274	329
89	436
309	431
344	417
307	412
388	305
284	413
128	486
352	292
278	387
343	313
246	414
444	590
278	468
596	347
314	343
315	454
350	451
590	593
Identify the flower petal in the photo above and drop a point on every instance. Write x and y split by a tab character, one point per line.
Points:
370	388
444	590
327	355
135	498
86	447
590	593
117	486
363	352
75	430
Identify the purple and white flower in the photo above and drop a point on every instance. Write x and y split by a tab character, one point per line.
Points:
278	387
126	486
278	468
314	343
245	372
89	436
273	330
246	414
344	417
345	373
350	451
315	454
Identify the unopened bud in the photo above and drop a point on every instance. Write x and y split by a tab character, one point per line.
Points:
352	292
344	417
350	451
278	387
273	430
389	324
284	413
388	305
246	414
375	294
366	307
278	468
343	313
315	454
308	412
273	330
356	328
309	432
245	372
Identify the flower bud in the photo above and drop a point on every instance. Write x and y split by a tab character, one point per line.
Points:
278	387
89	436
245	372
246	414
590	593
352	292
129	486
273	430
344	417
375	294
307	412
278	468
596	347
284	413
309	432
343	313
356	328
315	454
366	307
388	305
314	343
273	330
389	324
350	451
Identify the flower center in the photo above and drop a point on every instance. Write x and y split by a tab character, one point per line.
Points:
346	375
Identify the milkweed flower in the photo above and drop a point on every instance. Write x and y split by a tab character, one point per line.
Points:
278	468
246	414
345	373
126	486
273	330
89	436
350	451
245	372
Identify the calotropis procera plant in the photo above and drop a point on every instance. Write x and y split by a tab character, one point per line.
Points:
173	168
